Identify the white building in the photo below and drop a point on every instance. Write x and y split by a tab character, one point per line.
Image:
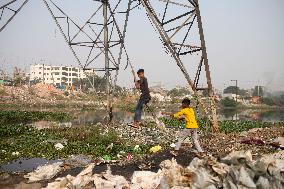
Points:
57	75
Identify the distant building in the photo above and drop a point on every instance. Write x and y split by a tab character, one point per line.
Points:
58	75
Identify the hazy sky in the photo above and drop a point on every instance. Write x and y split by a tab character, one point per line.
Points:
245	41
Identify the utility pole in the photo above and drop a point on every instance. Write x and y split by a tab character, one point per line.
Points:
236	84
106	51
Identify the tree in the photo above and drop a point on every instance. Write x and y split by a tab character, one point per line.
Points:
178	92
268	101
231	89
18	81
227	102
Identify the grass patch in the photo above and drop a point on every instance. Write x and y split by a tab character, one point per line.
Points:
228	126
129	107
13	117
24	141
240	125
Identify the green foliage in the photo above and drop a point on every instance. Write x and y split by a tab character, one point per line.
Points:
18	81
231	89
228	126
268	101
272	100
87	140
178	123
231	126
11	117
178	92
128	107
19	140
227	102
280	100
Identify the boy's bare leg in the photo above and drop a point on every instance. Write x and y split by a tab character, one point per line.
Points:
194	138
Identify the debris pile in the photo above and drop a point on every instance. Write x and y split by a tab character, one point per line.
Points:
259	140
44	172
237	170
146	134
46	91
42	94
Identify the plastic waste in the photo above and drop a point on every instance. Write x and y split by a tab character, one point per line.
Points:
44	172
15	153
155	149
136	148
256	141
238	157
129	156
278	142
115	181
81	180
109	146
175	174
237	171
78	160
58	146
145	179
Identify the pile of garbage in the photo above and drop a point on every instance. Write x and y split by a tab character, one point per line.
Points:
46	91
42	94
11	93
147	135
259	140
237	170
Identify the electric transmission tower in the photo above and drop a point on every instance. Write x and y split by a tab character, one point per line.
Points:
174	22
102	37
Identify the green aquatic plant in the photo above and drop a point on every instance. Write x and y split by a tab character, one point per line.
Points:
18	140
226	126
12	117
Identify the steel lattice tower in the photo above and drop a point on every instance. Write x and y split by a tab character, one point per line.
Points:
104	34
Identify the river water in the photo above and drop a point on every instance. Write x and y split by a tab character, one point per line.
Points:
253	115
126	117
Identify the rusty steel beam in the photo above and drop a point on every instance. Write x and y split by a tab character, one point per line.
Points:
15	12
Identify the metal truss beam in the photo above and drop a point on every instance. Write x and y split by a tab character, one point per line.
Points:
100	36
6	7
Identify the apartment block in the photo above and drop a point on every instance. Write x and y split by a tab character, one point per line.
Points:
58	75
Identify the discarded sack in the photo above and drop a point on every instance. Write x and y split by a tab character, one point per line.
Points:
44	172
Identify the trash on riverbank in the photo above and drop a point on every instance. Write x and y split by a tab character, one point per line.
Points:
44	172
278	142
237	170
155	149
58	146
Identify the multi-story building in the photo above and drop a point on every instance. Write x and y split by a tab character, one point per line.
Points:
58	75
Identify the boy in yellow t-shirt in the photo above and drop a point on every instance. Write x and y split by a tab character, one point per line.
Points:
190	126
